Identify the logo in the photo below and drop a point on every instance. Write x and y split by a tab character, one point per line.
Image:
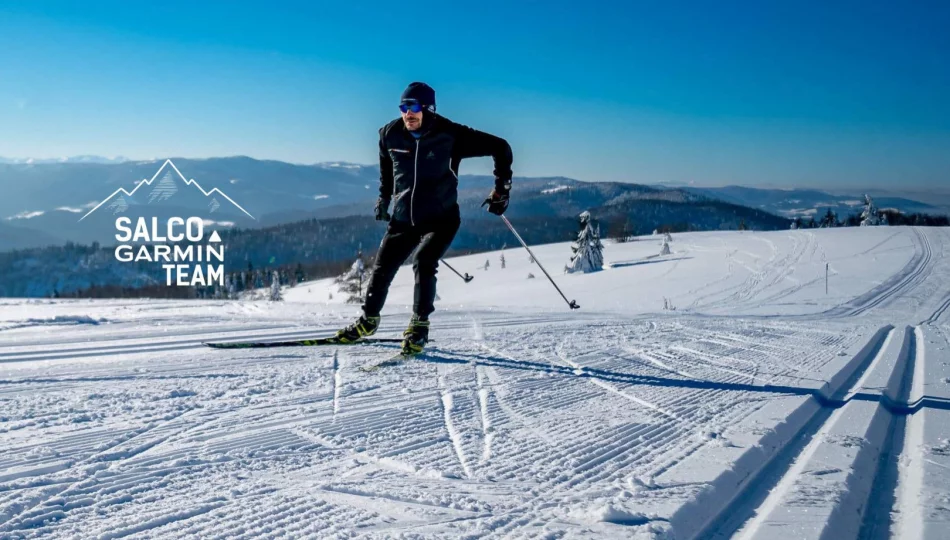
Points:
431	155
178	243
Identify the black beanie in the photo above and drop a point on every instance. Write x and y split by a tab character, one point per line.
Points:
421	92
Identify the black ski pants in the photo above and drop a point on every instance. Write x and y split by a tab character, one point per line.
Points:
401	238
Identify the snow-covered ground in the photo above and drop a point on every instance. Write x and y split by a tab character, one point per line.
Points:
760	407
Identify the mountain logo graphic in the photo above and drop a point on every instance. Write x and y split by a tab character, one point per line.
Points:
431	155
163	190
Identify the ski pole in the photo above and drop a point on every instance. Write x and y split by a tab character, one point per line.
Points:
571	303
466	277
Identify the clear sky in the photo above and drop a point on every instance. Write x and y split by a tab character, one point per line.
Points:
803	93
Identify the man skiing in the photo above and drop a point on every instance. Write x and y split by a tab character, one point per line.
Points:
419	155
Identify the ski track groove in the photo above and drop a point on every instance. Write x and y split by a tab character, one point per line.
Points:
778	475
907	279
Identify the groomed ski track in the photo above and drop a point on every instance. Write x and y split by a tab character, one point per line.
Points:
759	409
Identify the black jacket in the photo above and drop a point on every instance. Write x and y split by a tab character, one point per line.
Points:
421	175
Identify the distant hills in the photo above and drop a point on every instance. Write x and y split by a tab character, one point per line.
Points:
44	199
71	159
273	214
805	203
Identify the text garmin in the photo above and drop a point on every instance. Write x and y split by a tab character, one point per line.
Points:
184	262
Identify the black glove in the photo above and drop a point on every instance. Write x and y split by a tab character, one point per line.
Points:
382	210
498	199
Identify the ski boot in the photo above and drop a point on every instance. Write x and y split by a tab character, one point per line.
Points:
415	337
363	327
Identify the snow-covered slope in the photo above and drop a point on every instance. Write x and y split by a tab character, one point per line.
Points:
728	273
760	407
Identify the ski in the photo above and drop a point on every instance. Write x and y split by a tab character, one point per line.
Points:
391	361
298	343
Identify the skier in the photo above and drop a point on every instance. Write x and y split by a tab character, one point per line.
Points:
419	156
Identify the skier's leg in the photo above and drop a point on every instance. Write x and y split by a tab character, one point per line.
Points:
397	245
433	247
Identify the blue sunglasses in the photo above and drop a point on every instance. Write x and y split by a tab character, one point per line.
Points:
413	106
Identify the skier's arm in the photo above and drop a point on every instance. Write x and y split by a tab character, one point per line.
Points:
473	143
385	171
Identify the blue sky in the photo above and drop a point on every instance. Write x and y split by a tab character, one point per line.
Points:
712	93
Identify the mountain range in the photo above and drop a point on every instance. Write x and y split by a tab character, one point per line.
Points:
44	200
70	159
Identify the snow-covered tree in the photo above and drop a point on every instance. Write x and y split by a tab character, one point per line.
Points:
668	237
870	215
486	265
588	251
502	260
665	250
275	295
354	280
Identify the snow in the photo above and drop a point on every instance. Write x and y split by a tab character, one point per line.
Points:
211	223
26	214
761	407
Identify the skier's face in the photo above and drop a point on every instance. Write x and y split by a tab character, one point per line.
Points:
411	115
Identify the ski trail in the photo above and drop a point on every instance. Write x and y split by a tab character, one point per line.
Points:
487	430
446	401
712	363
755	525
500	399
337	383
909	504
580	370
642	353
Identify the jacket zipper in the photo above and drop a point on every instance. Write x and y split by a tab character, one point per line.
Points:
415	176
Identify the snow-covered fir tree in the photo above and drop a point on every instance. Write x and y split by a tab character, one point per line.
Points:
870	215
275	295
588	251
502	260
665	250
353	282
